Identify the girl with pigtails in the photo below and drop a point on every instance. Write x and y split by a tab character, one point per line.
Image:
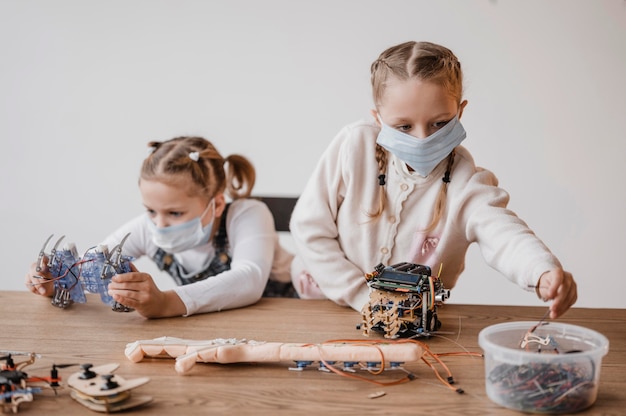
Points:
220	254
401	188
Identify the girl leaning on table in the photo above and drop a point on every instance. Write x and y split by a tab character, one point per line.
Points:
400	188
220	254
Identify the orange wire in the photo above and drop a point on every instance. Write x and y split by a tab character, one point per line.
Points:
426	352
445	382
357	377
373	344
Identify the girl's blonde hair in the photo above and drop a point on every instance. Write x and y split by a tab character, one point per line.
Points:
428	62
194	164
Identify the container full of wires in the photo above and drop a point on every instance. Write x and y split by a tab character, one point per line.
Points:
542	368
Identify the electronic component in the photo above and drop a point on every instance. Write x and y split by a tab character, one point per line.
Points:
187	352
15	385
64	266
372	357
73	275
403	301
98	389
94	387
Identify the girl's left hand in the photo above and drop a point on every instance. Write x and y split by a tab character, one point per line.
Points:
559	286
137	290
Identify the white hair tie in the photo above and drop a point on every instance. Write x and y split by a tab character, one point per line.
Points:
194	156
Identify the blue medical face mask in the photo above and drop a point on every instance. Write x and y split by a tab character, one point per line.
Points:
185	236
422	155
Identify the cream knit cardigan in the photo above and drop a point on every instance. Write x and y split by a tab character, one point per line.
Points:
337	242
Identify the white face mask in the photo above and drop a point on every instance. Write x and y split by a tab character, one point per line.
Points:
422	155
181	237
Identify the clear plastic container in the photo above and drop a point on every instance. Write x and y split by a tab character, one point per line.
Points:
553	369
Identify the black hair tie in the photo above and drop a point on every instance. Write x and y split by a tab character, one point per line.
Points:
446	176
381	179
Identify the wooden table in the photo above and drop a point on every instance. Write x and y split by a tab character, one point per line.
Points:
92	333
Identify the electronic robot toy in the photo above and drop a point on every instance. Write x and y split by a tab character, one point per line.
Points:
94	387
73	275
403	301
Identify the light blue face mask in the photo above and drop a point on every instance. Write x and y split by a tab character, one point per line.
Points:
422	155
185	236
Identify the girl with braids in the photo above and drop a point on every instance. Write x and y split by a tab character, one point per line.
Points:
220	254
401	188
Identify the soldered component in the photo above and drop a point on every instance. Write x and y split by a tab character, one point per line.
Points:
403	301
73	275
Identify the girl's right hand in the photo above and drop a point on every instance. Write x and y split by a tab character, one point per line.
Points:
137	290
39	283
559	286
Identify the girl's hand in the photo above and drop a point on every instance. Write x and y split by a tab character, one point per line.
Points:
39	282
138	291
557	285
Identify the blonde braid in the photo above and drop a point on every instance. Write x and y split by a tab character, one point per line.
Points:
381	158
440	204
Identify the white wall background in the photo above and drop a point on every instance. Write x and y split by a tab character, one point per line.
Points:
84	85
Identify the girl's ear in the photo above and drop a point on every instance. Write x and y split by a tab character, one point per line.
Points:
220	204
374	114
461	108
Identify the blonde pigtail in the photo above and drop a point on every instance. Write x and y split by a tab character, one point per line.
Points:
240	176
